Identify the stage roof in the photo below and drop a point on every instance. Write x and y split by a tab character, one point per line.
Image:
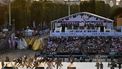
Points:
82	13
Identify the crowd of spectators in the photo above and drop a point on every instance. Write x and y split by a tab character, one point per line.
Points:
84	45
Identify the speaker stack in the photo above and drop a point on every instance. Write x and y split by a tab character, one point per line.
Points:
71	67
8	67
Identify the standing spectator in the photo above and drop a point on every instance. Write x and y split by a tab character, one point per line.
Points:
119	65
13	40
119	62
9	41
58	64
97	64
2	64
7	59
113	64
101	65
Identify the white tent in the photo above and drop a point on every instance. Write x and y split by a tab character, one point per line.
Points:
28	32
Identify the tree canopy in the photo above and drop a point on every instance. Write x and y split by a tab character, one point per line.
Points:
25	12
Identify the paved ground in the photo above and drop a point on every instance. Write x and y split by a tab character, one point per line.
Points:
78	65
16	53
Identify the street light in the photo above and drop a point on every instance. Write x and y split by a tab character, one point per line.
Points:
9	8
13	24
69	5
68	1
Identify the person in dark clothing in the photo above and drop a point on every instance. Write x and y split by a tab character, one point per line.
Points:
97	65
101	65
119	62
58	63
2	64
7	59
97	62
113	65
119	65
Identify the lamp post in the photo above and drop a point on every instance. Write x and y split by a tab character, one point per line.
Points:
68	3
69	7
9	10
13	25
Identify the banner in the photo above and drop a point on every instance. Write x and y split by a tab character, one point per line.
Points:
86	34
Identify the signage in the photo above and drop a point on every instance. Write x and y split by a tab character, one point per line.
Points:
86	34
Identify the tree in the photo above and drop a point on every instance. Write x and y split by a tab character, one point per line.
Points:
36	12
75	8
87	6
19	13
115	11
96	7
102	9
3	13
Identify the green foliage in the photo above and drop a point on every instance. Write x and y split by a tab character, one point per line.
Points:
100	8
115	11
3	14
44	12
97	7
87	6
19	13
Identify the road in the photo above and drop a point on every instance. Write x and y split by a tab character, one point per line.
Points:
78	65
